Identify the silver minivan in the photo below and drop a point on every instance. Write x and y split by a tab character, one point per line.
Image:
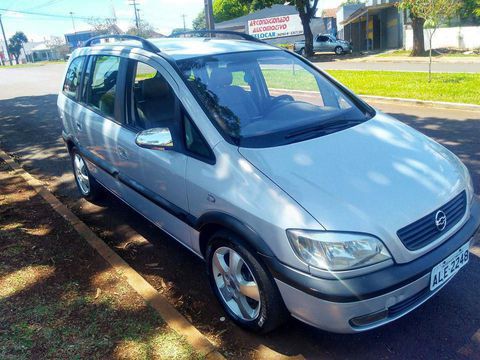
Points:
301	198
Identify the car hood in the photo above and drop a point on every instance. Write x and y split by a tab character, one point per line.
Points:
375	177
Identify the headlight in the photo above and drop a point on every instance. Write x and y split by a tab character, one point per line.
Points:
337	251
469	180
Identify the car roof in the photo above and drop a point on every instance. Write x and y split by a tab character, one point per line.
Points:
184	48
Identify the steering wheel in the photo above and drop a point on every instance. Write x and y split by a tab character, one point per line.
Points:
284	97
279	101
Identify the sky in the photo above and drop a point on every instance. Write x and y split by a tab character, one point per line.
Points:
163	15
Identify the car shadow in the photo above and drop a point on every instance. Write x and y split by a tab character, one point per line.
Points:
444	327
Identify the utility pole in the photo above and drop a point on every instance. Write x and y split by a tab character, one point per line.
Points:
209	15
184	16
6	44
137	20
73	22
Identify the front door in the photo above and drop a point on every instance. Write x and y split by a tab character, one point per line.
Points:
157	176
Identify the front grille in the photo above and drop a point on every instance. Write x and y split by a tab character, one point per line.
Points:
424	231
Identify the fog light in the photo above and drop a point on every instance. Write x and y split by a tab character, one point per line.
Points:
365	320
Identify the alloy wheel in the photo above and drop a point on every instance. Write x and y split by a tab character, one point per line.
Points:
81	174
236	283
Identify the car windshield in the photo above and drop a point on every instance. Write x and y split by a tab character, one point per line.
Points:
268	98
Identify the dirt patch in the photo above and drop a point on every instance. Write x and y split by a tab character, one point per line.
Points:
59	298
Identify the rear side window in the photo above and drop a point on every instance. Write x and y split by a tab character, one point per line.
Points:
102	84
72	79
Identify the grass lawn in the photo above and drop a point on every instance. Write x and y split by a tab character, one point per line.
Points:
59	299
462	88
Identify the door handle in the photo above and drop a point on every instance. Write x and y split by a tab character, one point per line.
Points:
79	126
122	153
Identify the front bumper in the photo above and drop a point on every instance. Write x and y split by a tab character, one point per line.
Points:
361	303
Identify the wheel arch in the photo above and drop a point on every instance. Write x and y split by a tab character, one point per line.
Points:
214	221
68	142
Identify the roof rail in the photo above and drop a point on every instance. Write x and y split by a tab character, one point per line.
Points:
220	32
147	45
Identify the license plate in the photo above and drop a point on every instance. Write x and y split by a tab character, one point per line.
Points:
445	270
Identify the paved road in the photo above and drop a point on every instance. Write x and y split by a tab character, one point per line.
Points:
398	66
446	327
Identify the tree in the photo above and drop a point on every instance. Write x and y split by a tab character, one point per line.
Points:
199	23
145	30
15	44
433	13
254	5
306	11
470	8
58	45
224	10
104	26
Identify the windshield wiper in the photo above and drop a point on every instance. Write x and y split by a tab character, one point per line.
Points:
323	127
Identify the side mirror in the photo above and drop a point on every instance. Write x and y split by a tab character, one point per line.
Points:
155	138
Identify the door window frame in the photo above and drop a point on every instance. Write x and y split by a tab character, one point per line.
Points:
119	116
180	112
79	90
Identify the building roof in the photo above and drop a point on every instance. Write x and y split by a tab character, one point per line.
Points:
367	9
275	10
329	13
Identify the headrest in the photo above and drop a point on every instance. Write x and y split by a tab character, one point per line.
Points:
220	77
155	88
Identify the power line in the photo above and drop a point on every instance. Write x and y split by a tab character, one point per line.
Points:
58	16
45	4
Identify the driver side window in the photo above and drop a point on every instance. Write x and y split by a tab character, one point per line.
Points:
154	102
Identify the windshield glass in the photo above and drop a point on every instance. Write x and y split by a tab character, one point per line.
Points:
266	98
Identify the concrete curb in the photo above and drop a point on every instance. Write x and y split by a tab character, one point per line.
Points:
152	297
374	59
426	103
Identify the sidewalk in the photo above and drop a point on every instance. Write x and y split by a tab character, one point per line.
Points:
59	298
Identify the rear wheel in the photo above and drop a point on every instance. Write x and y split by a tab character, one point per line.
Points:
338	50
242	285
88	187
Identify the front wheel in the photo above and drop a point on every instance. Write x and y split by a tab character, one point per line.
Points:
88	187
242	285
339	50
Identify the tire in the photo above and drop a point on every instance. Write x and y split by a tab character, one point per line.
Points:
260	316
87	186
339	50
302	52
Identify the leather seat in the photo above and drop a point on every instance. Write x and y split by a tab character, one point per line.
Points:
155	103
232	96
